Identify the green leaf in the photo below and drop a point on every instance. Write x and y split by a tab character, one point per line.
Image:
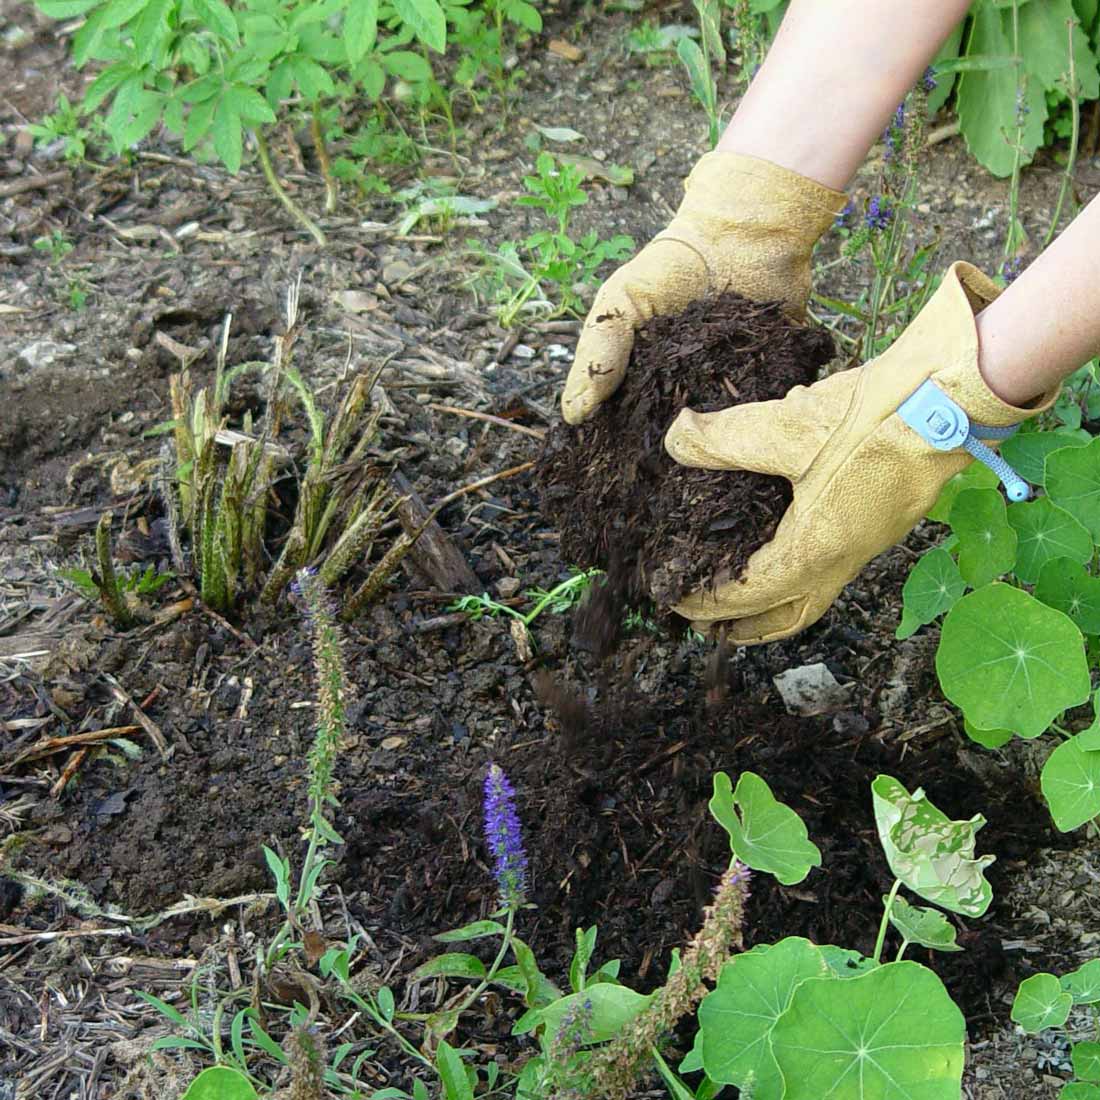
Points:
360	28
117	12
852	1039
524	15
942	64
768	836
1086	1061
844	962
1073	483
987	543
249	105
217	16
976	476
736	1020
199	121
105	84
228	135
1043	532
474	931
1027	452
453	964
702	85
426	20
1040	1002
406	65
989	739
933	586
1071	784
1010	662
1079	1090
1043	27
1065	585
1083	984
65	9
986	100
220	1083
165	1009
313	81
612	1008
919	924
930	853
452	1073
386	1004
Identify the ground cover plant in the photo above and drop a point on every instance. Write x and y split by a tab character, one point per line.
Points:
623	942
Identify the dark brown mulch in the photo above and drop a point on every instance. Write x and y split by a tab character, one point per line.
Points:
659	529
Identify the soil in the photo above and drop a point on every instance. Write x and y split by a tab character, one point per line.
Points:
613	785
660	529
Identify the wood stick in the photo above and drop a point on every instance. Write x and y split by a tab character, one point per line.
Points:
31	183
434	552
535	433
40	937
71	766
522	468
58	744
146	723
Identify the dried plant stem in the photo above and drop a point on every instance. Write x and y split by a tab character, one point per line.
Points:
109	590
291	206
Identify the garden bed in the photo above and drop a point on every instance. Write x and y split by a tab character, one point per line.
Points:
612	790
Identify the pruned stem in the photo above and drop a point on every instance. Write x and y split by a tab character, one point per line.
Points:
292	207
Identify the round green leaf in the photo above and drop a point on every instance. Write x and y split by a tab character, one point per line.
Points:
1071	784
220	1083
1041	1002
1064	584
918	924
1010	662
989	739
930	853
736	1020
1073	483
844	962
987	542
1089	737
1086	1061
1045	532
933	586
891	1033
1026	452
768	836
1079	1090
1083	984
976	476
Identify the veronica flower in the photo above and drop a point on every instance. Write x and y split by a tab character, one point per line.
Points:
879	214
928	80
503	836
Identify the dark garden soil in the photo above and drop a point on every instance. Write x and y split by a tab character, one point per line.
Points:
612	757
659	529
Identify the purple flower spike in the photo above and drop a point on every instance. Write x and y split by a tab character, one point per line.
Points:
929	79
879	214
503	836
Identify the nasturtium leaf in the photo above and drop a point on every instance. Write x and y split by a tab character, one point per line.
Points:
1041	1002
736	1019
1071	784
989	739
1064	584
1086	1061
220	1083
1073	483
933	586
844	962
1089	737
1026	452
893	1032
919	924
1045	532
987	542
1079	1090
1083	984
605	1008
1010	662
930	853
768	836
692	1062
976	476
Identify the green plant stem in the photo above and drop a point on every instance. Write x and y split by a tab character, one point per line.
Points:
505	943
901	950
885	922
292	207
331	190
1011	239
371	1009
1073	92
109	589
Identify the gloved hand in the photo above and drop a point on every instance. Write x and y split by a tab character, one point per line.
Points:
862	477
745	225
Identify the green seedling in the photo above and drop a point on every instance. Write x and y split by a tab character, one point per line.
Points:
701	58
67	126
556	600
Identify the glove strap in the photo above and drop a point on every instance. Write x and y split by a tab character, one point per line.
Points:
943	424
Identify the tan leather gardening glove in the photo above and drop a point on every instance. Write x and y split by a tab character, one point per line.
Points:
862	476
745	225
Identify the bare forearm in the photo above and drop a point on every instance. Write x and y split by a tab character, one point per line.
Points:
1047	323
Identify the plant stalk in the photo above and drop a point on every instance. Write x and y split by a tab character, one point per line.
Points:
291	206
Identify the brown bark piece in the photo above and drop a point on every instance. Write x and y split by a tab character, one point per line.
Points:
434	552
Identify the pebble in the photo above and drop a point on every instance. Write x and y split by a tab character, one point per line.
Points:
507	587
523	351
396	271
45	353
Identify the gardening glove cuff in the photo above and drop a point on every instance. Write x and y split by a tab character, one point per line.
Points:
862	477
744	225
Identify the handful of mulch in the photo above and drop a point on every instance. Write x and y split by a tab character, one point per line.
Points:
659	529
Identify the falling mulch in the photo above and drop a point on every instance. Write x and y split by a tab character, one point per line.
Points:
659	529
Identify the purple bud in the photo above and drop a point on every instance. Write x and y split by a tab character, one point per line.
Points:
843	215
1010	269
504	839
879	214
929	79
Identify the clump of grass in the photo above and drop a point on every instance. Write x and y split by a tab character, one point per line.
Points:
221	483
